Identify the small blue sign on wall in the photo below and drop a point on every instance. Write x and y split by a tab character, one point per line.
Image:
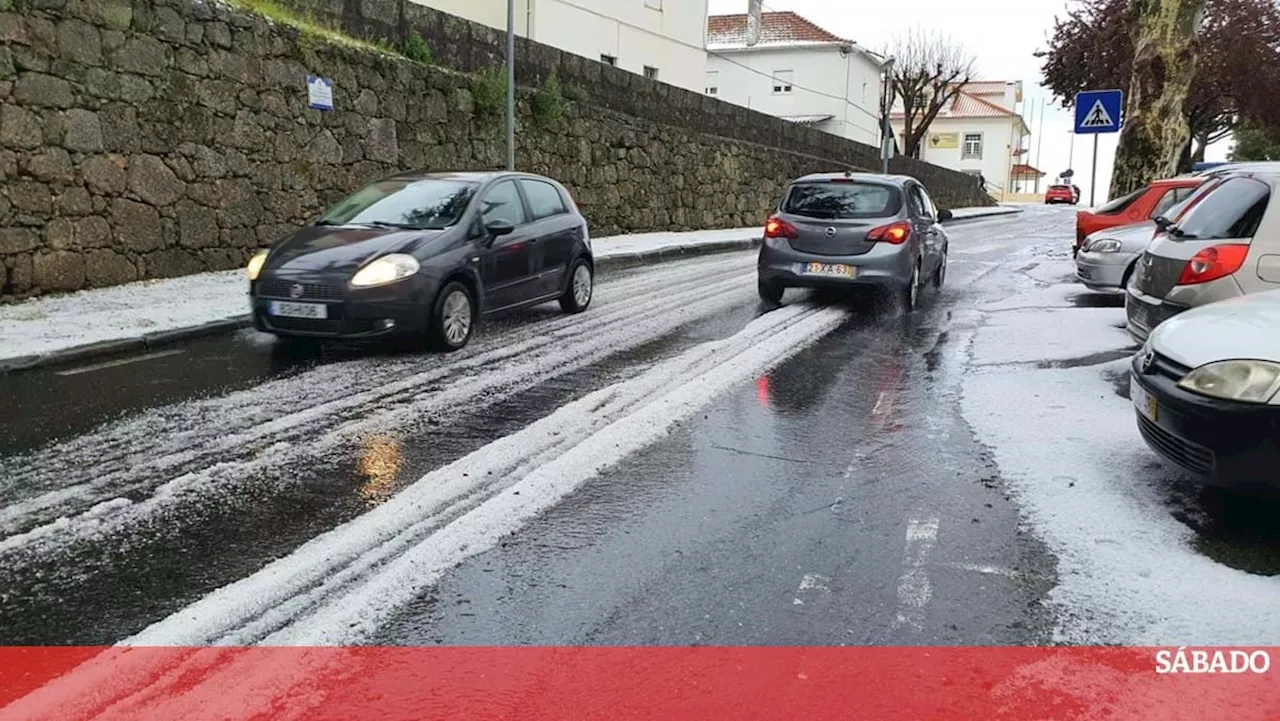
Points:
319	93
1099	111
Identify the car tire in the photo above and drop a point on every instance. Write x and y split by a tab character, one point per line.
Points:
581	288
453	317
770	293
911	293
940	275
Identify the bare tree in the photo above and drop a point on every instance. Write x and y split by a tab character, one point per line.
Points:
929	71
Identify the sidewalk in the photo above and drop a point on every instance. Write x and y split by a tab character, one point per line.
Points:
148	314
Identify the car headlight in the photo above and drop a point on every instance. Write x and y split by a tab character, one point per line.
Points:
1249	381
1104	245
254	269
387	269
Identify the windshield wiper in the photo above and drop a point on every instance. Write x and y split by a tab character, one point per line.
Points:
1180	234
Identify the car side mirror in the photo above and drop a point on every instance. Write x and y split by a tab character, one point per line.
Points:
945	215
497	228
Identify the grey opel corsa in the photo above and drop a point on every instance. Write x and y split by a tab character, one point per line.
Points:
854	229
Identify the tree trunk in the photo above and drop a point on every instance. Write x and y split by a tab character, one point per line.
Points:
1201	144
1184	158
1155	130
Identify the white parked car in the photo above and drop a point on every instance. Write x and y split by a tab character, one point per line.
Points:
1206	388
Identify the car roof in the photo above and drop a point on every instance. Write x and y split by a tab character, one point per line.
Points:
475	176
898	180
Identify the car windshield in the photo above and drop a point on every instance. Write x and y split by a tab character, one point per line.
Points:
404	203
1119	204
842	200
1060	188
1177	210
1233	210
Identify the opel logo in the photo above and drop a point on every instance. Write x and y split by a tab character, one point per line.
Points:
296	290
831	232
1148	362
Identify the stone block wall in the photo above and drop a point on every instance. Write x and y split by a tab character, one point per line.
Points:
154	138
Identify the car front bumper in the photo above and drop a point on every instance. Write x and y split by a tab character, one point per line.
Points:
1103	271
1220	442
885	265
351	313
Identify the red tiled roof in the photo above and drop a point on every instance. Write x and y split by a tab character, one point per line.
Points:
986	87
777	28
1022	170
968	105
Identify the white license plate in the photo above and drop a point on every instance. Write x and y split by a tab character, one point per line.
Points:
833	270
315	311
1143	401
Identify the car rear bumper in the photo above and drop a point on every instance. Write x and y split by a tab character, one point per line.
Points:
1144	312
1219	442
395	309
1103	271
885	265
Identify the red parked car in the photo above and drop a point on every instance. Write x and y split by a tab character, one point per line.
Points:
1059	194
1136	207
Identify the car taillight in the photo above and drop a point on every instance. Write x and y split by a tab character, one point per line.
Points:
778	228
1212	263
896	233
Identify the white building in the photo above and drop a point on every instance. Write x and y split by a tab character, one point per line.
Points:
661	39
980	132
796	71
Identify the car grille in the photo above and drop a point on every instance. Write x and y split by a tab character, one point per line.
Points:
1156	275
276	288
1168	368
332	326
1188	455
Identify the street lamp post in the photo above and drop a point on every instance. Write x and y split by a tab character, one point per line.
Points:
511	84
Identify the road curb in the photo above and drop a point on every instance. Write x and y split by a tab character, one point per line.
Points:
158	339
120	346
622	261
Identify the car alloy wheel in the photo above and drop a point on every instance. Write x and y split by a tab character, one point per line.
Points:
941	276
455	317
578	295
912	291
582	285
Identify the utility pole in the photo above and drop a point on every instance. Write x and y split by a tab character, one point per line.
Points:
511	84
1039	143
886	128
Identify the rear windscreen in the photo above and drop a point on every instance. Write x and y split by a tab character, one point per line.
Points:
840	201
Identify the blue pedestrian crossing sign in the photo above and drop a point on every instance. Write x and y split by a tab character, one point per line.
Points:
1099	111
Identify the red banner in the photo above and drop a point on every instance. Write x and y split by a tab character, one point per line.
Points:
659	683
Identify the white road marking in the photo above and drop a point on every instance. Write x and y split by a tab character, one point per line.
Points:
986	569
814	581
880	403
120	362
914	589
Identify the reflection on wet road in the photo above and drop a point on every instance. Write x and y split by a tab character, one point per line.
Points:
678	465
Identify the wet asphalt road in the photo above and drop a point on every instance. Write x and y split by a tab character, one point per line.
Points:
837	499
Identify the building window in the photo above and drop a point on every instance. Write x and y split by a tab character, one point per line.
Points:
972	146
653	4
609	59
651	72
713	82
782	81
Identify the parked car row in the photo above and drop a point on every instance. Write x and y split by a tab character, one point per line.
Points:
1201	278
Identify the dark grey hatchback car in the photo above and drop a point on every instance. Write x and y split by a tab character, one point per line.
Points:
854	229
426	254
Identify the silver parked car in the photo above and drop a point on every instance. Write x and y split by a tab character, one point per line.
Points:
1107	258
854	229
1225	245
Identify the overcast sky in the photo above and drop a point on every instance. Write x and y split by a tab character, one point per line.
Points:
1023	27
